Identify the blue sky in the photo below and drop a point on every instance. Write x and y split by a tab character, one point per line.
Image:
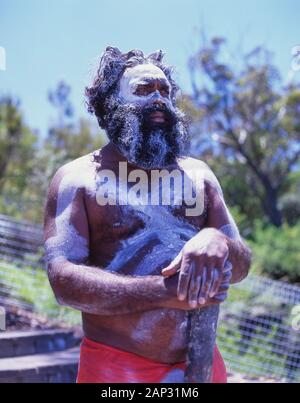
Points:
50	40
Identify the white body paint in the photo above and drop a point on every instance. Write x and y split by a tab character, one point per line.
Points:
67	243
231	230
162	237
170	234
133	76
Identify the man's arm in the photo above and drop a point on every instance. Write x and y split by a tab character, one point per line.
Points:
220	218
97	291
90	289
215	256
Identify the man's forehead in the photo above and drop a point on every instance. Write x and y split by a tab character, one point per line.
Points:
133	75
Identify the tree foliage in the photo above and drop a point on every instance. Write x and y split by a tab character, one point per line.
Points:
276	251
247	126
27	163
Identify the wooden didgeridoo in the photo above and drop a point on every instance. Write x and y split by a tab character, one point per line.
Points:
202	328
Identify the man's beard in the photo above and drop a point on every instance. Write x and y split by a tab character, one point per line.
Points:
146	143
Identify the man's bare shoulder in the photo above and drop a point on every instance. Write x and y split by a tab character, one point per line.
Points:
194	163
79	174
200	169
74	167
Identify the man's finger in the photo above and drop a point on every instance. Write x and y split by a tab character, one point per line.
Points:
173	267
220	297
213	276
201	296
223	287
184	277
227	276
194	287
221	277
216	281
212	279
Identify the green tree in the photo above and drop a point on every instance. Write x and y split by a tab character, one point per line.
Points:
247	124
27	165
69	139
18	145
276	251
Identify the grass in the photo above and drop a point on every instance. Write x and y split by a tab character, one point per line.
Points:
32	287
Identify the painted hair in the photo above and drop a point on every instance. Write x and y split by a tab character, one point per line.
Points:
112	65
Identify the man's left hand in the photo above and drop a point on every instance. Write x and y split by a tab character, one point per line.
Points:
201	266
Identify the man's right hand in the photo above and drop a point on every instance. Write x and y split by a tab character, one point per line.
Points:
171	284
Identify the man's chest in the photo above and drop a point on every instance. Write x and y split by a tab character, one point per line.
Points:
141	238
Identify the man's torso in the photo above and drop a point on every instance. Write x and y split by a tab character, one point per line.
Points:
136	240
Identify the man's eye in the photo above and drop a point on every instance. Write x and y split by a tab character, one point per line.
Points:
165	92
141	91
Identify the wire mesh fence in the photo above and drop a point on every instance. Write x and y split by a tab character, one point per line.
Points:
259	331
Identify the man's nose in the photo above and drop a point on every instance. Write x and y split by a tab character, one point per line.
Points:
157	98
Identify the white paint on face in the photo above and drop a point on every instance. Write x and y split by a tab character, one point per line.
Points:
134	76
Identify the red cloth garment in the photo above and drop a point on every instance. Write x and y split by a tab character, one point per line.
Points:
100	363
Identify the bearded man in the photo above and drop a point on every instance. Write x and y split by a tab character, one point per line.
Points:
135	269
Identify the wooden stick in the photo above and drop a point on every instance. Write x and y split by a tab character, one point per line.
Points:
202	327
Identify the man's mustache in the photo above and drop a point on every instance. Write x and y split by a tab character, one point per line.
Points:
148	110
